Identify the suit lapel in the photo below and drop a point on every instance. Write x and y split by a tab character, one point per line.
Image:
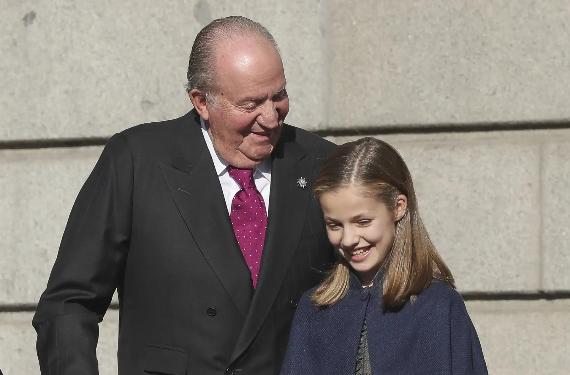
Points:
287	205
195	189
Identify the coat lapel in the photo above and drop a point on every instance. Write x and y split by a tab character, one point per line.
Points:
287	205
196	191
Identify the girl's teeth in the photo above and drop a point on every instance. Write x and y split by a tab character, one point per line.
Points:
359	252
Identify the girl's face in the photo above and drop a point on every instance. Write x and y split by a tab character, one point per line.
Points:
361	227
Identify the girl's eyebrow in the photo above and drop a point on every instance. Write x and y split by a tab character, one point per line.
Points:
360	216
352	218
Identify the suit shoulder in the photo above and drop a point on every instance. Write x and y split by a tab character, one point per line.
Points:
310	141
160	138
151	130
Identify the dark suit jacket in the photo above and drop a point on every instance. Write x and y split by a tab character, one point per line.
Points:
152	222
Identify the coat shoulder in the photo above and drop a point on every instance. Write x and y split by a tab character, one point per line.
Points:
306	301
440	289
439	296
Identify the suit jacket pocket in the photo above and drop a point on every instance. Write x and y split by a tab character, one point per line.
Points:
165	360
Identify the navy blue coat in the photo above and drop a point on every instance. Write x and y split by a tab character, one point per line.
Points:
433	335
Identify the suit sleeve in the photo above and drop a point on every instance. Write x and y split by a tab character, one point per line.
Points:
299	358
88	266
466	352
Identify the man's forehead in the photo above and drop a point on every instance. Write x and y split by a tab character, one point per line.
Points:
249	64
241	47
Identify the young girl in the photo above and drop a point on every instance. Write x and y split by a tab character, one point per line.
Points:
389	305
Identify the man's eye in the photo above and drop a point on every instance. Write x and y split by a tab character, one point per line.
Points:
364	222
280	95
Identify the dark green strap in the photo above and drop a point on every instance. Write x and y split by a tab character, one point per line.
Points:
362	355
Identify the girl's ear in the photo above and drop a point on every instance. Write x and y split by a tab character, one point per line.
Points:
401	207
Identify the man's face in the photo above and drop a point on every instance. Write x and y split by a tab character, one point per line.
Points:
247	110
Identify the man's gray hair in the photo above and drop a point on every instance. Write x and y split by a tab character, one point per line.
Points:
202	62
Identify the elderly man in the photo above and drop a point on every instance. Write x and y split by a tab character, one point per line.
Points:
205	224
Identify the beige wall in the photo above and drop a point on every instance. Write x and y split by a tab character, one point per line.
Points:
473	93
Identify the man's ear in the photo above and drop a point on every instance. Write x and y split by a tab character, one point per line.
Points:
198	99
401	207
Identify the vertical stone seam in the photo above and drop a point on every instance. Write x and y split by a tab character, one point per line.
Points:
324	23
541	212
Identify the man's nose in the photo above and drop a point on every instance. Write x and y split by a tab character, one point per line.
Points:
269	117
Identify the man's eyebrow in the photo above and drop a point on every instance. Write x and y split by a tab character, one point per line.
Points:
254	99
257	99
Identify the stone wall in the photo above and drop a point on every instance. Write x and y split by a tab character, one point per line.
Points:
473	93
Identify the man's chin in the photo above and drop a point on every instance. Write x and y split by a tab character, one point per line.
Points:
246	163
258	159
242	160
259	153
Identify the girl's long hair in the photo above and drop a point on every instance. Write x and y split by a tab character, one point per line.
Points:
413	261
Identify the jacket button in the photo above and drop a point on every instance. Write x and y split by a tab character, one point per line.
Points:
211	311
230	371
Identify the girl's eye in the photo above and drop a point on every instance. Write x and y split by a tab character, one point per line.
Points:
332	226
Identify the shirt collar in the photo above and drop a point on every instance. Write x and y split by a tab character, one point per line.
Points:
221	165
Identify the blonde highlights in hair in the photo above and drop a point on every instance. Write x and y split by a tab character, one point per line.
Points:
413	260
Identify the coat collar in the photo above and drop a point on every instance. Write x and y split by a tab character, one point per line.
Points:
356	284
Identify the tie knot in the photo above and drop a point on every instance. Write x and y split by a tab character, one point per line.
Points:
244	177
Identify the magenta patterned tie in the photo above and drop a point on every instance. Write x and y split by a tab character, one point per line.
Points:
249	219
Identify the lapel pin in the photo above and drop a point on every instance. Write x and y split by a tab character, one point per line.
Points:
302	182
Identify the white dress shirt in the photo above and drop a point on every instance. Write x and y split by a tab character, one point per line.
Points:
261	174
